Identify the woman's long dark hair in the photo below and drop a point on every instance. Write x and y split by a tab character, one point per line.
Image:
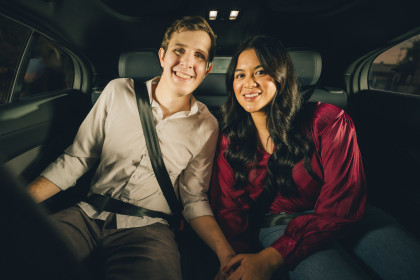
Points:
285	121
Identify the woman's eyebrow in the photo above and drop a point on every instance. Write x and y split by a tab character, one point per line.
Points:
256	67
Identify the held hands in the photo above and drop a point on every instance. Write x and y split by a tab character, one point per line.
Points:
254	266
223	263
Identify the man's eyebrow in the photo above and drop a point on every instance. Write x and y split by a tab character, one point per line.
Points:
196	49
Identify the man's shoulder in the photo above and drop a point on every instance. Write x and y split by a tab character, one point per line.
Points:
120	83
207	116
117	87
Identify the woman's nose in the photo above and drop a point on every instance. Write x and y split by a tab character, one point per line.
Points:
250	82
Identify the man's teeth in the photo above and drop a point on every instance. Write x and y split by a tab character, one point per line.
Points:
251	95
182	75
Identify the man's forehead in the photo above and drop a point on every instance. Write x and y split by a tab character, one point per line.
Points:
194	39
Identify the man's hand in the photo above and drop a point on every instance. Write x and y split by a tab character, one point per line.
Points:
221	275
209	231
254	266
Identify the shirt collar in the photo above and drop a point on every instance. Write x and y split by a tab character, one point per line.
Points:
155	105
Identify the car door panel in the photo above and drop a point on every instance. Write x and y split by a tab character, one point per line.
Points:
388	127
46	124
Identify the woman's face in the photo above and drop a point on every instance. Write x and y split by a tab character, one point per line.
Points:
254	89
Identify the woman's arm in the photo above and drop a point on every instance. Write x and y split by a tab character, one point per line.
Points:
342	198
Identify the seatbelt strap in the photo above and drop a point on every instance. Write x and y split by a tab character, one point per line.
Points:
153	147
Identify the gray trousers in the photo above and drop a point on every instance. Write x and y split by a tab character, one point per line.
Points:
148	252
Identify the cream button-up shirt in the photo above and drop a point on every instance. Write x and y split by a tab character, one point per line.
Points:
112	133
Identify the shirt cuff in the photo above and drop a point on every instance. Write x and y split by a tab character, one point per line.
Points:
197	209
64	172
285	246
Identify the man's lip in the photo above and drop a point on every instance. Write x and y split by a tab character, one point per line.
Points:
183	75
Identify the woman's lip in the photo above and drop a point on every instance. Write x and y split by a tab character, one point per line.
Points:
251	96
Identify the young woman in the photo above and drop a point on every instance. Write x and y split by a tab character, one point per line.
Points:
289	179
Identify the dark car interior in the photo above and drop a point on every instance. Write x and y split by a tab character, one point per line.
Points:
56	56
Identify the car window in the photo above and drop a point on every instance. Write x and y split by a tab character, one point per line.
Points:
12	41
398	69
48	69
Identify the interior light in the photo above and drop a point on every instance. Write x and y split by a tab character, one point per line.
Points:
212	15
233	14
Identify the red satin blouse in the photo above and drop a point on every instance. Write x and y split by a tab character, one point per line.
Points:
338	201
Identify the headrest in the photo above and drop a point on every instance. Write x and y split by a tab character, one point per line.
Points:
308	67
143	64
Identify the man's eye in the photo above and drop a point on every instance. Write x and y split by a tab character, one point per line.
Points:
179	51
200	56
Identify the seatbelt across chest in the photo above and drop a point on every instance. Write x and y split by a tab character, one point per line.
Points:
153	148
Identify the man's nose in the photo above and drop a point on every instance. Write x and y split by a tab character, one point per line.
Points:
186	61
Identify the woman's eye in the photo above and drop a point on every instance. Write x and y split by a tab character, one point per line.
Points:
239	76
260	72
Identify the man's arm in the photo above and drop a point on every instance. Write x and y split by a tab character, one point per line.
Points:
41	189
209	231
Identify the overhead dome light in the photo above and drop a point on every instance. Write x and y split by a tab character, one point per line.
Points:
212	15
233	14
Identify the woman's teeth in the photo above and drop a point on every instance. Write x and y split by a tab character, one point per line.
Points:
251	95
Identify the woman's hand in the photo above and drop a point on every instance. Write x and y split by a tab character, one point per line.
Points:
223	263
254	266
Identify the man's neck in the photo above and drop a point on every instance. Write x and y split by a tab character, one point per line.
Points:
170	102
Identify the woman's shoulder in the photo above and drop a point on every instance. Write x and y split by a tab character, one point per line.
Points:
323	115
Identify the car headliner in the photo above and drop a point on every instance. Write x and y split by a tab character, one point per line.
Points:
342	30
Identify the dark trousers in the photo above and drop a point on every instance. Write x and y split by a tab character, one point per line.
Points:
148	252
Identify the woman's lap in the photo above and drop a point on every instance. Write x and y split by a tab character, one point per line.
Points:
380	248
384	246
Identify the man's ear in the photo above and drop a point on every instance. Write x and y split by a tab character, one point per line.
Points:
209	69
161	54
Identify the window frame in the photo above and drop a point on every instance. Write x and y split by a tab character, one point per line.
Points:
83	69
356	76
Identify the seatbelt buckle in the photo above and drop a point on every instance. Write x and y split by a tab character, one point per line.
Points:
103	202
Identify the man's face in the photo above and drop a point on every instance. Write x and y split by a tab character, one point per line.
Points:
185	61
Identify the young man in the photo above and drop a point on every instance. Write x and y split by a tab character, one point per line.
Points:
133	246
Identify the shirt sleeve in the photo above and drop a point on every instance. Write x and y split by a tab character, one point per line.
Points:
341	201
79	157
194	180
230	206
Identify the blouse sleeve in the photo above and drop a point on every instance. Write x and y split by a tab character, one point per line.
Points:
231	207
342	198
